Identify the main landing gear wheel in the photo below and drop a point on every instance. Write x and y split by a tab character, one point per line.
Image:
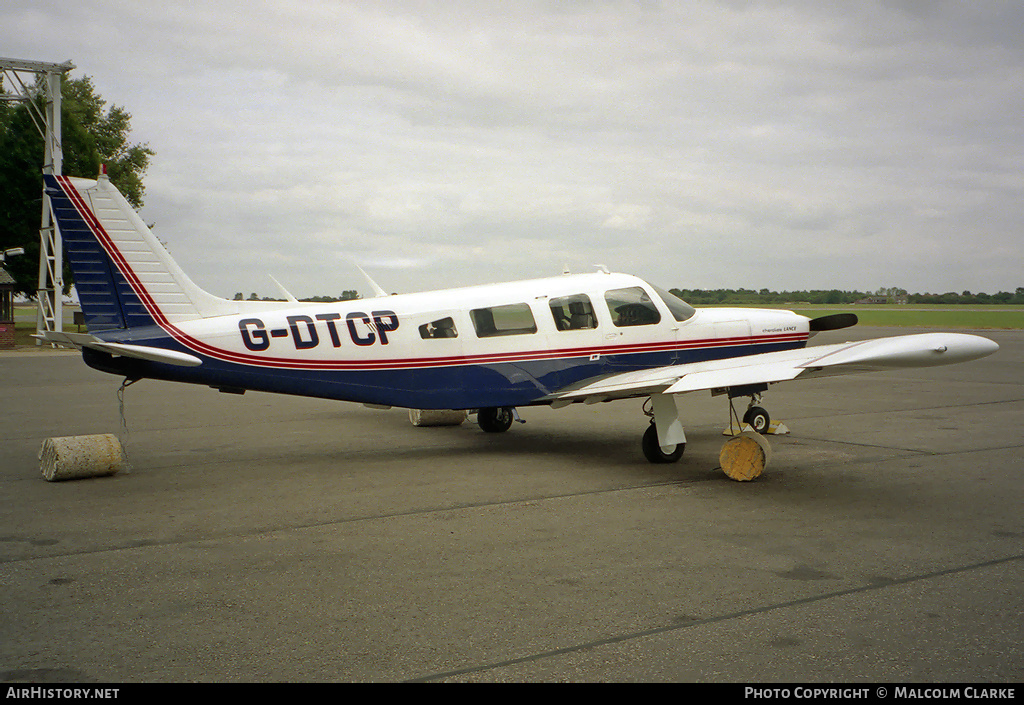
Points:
758	419
654	453
495	419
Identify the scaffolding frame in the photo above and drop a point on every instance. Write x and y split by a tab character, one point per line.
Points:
50	308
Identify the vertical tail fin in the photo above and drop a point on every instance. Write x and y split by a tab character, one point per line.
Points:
124	276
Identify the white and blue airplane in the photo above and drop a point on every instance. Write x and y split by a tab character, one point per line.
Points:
490	349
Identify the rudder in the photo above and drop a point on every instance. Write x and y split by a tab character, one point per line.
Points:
125	278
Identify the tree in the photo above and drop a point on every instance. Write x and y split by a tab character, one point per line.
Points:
92	135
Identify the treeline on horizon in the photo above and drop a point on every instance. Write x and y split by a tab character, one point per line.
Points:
704	297
347	295
835	296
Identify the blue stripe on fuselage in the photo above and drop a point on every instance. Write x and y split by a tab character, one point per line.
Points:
447	387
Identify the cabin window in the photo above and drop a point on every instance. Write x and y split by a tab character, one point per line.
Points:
512	319
631	307
573	312
441	328
681	310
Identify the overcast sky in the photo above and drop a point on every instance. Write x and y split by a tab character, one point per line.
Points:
784	145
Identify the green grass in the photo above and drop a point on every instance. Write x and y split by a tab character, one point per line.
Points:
913	315
24	330
927	316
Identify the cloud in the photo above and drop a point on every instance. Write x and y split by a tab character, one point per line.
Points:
781	145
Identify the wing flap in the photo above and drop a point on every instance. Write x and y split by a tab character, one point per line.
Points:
751	374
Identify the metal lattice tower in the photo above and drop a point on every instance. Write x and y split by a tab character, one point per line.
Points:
50	315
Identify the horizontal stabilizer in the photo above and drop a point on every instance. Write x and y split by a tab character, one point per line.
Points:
140	352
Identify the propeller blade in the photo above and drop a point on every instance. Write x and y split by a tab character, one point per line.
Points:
834	322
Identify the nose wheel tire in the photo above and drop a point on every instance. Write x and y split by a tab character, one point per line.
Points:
758	419
654	452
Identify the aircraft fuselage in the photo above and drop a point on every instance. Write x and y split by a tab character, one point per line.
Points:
494	345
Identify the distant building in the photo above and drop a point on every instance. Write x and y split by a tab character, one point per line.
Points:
901	299
6	309
894	299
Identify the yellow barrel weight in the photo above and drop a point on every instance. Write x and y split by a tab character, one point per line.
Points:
744	457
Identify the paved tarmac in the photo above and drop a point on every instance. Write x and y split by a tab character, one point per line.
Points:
263	538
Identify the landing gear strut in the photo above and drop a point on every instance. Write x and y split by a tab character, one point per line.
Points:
745	455
756	416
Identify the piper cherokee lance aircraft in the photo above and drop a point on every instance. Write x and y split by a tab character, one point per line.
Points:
556	341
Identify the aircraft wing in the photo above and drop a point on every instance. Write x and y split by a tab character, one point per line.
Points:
905	351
